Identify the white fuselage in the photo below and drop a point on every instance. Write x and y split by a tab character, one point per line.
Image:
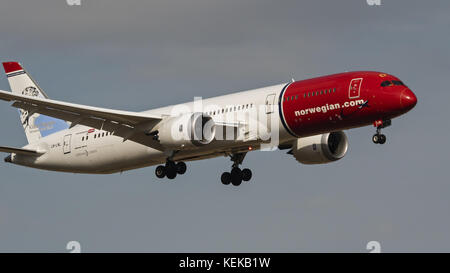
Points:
85	150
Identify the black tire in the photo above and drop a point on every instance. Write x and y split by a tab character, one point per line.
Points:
171	173
246	174
382	139
376	138
236	176
226	178
181	167
171	170
160	171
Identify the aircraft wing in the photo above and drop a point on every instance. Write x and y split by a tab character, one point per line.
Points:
127	124
19	151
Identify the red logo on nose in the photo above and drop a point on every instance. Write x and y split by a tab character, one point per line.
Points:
354	88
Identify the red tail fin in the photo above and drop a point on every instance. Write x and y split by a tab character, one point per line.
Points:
11	67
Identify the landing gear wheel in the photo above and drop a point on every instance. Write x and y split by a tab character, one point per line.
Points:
246	174
181	167
171	170
226	178
236	176
379	139
160	171
171	173
376	138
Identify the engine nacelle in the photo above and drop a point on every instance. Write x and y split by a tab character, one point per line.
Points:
320	149
186	131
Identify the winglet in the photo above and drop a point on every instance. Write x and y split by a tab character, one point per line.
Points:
11	67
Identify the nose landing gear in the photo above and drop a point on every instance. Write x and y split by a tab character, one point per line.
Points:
379	138
236	176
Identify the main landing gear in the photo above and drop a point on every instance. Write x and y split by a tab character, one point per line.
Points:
171	169
379	138
236	176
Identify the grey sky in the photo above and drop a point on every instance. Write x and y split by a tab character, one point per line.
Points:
136	55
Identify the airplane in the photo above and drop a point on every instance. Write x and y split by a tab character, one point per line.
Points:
306	117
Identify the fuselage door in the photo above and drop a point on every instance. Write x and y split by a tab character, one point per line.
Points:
66	144
270	100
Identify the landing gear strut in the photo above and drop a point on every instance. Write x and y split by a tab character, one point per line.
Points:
171	169
236	176
378	137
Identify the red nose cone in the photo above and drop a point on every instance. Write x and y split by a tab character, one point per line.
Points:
407	99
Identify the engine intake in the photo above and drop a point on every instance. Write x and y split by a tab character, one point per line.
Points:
187	130
320	149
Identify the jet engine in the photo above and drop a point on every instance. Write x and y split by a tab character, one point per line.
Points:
186	131
320	149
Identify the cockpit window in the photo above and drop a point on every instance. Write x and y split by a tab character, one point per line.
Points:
398	83
386	83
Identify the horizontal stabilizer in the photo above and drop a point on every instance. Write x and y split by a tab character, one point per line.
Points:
19	151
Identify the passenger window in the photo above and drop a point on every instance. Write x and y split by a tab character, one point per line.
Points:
82	139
